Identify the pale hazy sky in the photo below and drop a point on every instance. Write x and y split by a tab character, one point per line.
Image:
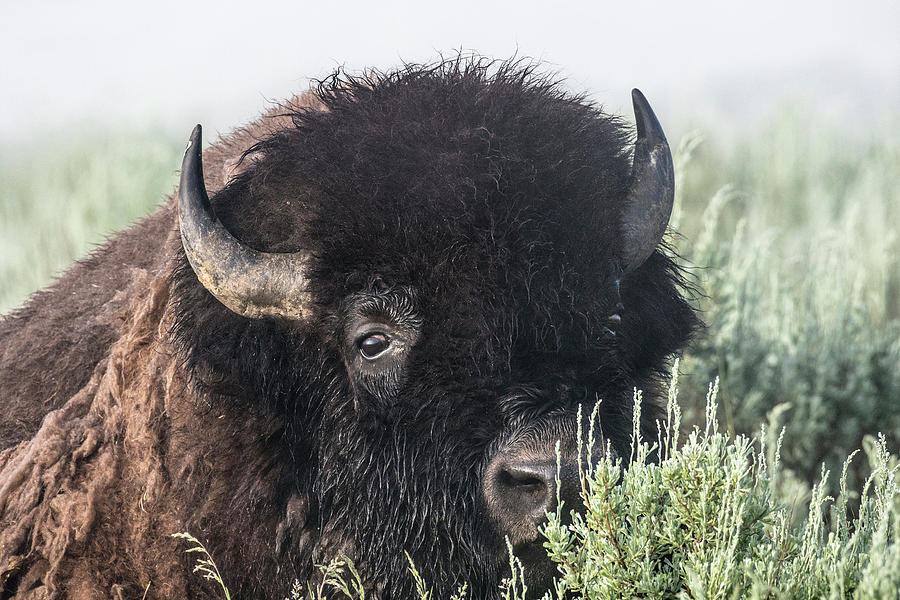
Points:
168	64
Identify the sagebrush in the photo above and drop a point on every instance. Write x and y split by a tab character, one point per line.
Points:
797	258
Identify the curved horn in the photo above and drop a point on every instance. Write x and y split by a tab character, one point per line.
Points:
652	192
251	283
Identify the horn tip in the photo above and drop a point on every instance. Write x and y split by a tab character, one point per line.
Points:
645	118
196	136
639	101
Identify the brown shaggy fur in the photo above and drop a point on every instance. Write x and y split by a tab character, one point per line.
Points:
95	423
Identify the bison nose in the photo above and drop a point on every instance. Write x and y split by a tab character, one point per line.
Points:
528	490
520	491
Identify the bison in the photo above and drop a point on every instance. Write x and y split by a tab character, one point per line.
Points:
366	342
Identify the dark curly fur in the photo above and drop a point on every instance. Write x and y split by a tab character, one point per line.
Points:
474	205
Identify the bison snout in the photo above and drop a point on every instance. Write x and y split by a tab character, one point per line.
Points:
520	490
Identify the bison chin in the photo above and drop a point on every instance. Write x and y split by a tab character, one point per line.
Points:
382	494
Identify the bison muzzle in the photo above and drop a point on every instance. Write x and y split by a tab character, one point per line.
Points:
364	331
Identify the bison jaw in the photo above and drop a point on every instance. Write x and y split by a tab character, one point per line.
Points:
249	282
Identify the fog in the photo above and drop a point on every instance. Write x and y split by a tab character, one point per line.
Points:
99	64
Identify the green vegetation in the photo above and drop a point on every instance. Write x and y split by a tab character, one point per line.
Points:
204	565
798	257
707	522
58	204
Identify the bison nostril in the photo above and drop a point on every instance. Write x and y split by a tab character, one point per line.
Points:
526	489
525	476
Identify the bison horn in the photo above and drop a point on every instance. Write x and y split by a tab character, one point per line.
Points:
251	283
652	192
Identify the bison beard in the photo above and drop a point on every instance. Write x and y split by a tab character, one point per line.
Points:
430	270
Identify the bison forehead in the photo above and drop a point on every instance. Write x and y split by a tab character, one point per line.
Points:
446	165
497	201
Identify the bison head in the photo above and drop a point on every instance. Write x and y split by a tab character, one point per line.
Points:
420	282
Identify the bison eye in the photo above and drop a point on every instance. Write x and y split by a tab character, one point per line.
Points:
373	345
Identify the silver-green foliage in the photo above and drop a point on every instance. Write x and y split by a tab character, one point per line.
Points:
705	521
799	263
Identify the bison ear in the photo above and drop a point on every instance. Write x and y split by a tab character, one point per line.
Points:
251	283
649	203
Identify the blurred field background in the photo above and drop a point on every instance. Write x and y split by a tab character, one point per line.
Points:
790	233
792	236
58	202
